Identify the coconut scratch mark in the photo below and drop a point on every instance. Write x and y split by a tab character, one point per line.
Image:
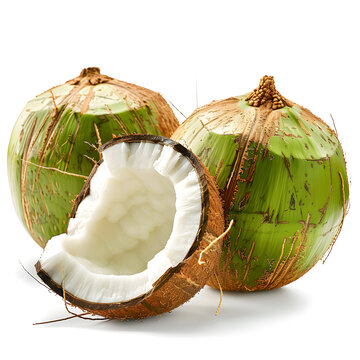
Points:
219	169
86	103
320	161
35	215
237	169
248	264
285	270
117	119
98	139
300	122
287	165
235	245
278	271
323	209
251	172
244	201
277	221
21	135
267	216
72	144
43	199
50	186
290	135
135	115
23	178
201	129
54	102
277	264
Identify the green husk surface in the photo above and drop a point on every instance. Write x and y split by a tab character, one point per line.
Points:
282	177
54	143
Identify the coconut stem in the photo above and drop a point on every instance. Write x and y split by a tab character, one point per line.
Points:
90	71
90	76
266	93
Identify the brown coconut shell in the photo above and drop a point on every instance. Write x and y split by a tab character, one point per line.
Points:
179	284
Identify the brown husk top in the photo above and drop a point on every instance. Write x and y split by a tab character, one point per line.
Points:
180	283
266	93
90	76
138	95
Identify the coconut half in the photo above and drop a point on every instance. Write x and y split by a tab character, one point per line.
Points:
136	231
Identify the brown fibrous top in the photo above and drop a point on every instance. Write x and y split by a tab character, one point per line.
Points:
90	76
266	93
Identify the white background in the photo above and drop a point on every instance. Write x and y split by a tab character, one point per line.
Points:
312	49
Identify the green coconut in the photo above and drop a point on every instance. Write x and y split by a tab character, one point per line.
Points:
55	141
282	176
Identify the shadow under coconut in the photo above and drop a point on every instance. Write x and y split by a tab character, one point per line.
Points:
238	310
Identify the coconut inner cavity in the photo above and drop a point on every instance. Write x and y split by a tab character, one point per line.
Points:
140	218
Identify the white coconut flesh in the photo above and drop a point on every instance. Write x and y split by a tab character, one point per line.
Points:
140	218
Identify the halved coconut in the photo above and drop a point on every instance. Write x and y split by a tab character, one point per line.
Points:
136	231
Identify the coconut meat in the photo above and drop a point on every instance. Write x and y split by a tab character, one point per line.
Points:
140	218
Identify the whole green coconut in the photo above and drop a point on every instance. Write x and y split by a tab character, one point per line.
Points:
282	177
54	143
